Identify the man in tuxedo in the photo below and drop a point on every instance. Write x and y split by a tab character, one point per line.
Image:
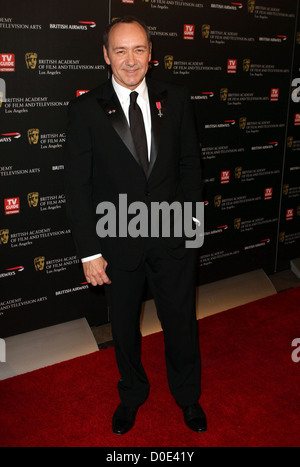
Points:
137	137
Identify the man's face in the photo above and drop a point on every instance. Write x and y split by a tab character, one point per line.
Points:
128	54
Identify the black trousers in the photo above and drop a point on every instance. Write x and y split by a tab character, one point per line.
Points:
172	283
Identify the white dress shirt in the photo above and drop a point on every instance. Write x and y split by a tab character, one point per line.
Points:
143	102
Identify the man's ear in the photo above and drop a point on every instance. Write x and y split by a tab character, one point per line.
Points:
106	57
150	52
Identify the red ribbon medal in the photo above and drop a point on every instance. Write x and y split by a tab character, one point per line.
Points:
158	105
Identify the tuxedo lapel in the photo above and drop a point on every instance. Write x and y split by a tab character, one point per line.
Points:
158	106
114	112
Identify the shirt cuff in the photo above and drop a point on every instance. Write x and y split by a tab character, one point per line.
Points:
90	258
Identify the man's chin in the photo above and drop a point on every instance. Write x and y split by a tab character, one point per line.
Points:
132	85
130	82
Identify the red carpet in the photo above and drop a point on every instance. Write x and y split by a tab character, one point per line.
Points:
250	389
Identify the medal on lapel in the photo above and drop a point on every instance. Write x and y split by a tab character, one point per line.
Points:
158	105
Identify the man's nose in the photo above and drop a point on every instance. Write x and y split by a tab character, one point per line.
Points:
130	59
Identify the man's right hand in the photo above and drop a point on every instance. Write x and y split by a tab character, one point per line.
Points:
94	271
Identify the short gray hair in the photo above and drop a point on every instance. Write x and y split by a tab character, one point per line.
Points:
126	20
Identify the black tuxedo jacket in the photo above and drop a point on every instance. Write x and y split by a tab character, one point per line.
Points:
101	163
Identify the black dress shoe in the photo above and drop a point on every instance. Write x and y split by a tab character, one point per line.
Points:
123	419
195	418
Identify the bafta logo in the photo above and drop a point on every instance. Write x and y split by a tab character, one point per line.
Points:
282	237
224	94
243	123
205	31
237	223
238	172
285	189
169	61
251	6
246	65
33	199
31	60
33	135
4	236
218	201
39	263
290	142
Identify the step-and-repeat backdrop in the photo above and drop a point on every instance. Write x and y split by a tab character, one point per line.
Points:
240	61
